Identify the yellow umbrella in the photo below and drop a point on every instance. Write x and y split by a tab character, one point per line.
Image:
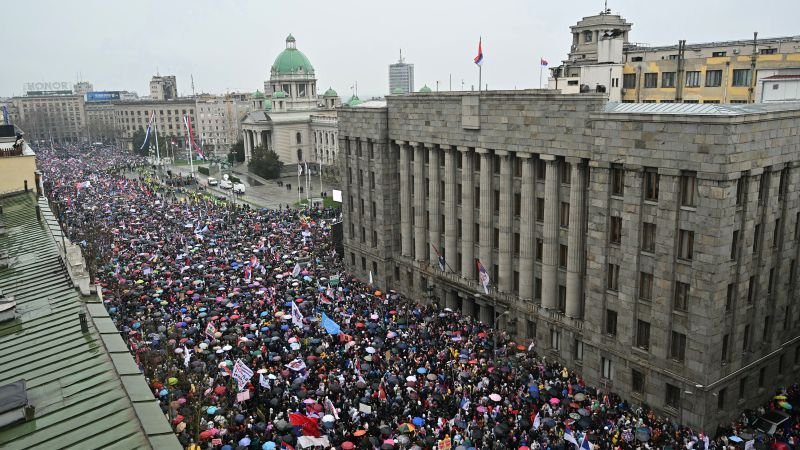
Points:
172	381
779	397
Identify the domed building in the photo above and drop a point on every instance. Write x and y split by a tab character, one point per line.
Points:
290	118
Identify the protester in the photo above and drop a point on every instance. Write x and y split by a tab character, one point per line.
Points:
251	333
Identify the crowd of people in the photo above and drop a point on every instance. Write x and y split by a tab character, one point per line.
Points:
252	335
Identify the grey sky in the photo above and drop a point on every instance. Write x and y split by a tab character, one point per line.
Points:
230	45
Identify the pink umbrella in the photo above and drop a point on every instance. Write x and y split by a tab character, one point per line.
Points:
481	409
554	401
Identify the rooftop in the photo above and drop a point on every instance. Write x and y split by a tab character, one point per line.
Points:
639	47
75	385
700	109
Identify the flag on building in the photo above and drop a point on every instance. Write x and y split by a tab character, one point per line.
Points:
330	326
187	120
439	257
479	58
568	436
297	316
543	62
483	276
5	115
147	132
241	373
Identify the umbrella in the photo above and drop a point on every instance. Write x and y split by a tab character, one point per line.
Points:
269	445
422	370
495	397
580	396
418	421
244	442
347	445
406	428
554	401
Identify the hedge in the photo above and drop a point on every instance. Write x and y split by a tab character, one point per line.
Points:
203	170
234	179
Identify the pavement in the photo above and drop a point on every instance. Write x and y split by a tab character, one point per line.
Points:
261	192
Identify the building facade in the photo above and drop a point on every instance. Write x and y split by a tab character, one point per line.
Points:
163	87
401	77
61	118
219	123
291	119
101	122
650	247
603	60
132	116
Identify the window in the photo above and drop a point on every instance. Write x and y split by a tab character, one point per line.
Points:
615	234
617	180
651	179
768	51
735	245
756	238
725	343
629	80
496	202
643	334
668	79
555	339
677	348
771	280
651	80
746	339
613	277
496	239
637	381
537	288
578	350
648	237
539	209
721	399
645	286
767	329
566	173
681	300
688	189
742	387
608	368
562	298
587	36
693	78
476	196
713	78
763	186
729	297
718	54
562	256
541	170
762	372
751	289
564	215
741	77
611	322
686	245
539	251
776	234
517	204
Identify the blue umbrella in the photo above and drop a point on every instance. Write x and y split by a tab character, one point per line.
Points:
422	371
163	393
264	314
211	410
418	421
269	445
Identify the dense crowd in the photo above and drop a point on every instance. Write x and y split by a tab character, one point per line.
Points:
252	335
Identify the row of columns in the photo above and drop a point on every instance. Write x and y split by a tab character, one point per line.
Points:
415	237
253	139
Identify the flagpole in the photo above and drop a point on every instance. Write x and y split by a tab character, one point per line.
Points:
540	74
158	154
480	66
298	182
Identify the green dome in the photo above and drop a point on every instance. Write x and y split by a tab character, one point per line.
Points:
354	101
279	94
292	60
330	93
267	104
398	91
258	94
425	89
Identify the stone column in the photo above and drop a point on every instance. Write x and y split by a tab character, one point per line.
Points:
467	215
576	239
466	304
451	299
450	209
486	312
486	211
505	281
526	228
419	201
434	204
550	234
405	200
247	150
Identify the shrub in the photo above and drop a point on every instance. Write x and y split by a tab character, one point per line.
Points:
203	170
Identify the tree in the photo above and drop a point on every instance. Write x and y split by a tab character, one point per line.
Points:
265	163
138	138
238	150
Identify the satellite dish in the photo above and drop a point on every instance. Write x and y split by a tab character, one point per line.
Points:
225	177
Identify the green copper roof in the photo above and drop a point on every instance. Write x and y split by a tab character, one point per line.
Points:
354	101
397	91
279	94
268	104
330	93
258	94
425	89
292	60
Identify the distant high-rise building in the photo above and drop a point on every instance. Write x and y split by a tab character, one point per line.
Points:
401	77
82	87
163	87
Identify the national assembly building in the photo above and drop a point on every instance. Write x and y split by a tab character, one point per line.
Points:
651	247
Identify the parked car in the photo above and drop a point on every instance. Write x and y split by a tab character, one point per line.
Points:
238	188
212	181
770	422
225	184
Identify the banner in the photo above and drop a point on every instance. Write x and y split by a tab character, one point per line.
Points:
330	326
241	373
297	316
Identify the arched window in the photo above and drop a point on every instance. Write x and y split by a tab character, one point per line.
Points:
299	155
326	138
299	138
587	36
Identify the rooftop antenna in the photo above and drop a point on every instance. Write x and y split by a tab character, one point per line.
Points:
401	56
192	76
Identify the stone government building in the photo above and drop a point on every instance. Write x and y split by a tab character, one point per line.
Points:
650	246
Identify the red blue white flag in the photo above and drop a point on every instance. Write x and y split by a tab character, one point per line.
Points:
479	58
483	276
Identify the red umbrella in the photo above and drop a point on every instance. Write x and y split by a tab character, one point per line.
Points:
219	390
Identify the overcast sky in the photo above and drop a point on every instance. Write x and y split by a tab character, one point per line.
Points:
230	45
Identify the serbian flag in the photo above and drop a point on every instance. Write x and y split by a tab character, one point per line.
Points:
569	437
479	58
190	138
543	62
147	133
308	424
483	276
439	257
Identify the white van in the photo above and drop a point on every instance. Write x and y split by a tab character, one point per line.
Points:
225	184
212	181
238	188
